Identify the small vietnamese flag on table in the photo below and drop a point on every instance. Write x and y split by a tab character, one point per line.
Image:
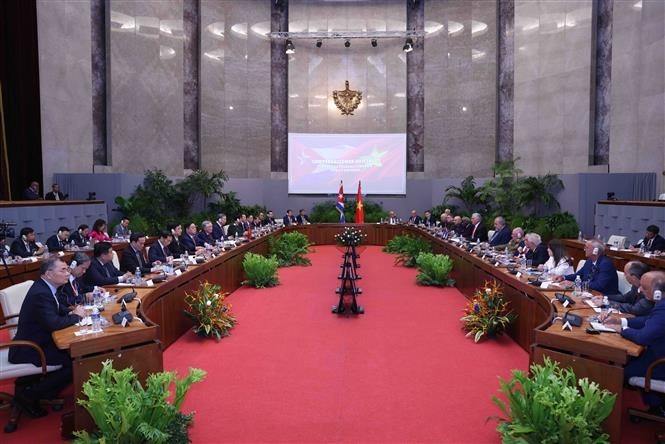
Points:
360	208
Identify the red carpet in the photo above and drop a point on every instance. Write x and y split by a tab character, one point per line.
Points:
294	372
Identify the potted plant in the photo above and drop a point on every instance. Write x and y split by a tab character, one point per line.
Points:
211	315
407	248
290	249
487	314
433	269
553	406
261	271
125	412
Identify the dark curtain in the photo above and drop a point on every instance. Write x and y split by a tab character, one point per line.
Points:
19	76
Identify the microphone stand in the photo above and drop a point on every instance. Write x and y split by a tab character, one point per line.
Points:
4	262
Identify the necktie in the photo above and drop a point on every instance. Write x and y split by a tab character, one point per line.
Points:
650	243
473	233
138	258
106	270
75	288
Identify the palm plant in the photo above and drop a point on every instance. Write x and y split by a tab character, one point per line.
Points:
537	192
467	193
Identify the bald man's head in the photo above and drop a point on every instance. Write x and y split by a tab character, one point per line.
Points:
651	281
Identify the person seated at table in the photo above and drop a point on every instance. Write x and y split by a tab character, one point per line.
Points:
102	271
76	291
652	240
176	247
648	331
428	220
218	227
58	241
458	226
535	251
159	252
633	301
80	236
516	243
598	270
302	219
476	231
502	233
41	314
32	192
558	263
261	220
251	220
392	218
237	229
205	235
190	239
270	219
98	232
122	229
414	219
289	219
26	244
132	256
445	221
55	193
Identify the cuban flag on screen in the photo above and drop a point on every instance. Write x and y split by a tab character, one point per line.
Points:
340	203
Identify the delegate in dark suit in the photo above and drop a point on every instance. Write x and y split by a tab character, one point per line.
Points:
477	232
102	274
190	243
648	331
289	220
176	246
632	302
51	196
158	252
23	249
130	259
502	237
204	237
54	243
415	220
78	240
602	276
538	256
73	292
218	231
657	243
302	219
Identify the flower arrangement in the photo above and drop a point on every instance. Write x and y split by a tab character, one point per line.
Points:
350	237
206	307
487	313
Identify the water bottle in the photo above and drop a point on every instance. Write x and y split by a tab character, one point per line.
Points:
137	276
579	236
46	253
605	308
506	252
578	286
96	320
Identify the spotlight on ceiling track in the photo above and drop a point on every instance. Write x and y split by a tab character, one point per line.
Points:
408	46
290	49
319	42
374	43
347	43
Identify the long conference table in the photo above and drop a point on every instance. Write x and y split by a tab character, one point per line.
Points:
599	357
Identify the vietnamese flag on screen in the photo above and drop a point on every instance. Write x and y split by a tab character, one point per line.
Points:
360	208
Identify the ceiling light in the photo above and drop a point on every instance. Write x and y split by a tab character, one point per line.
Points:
347	43
408	46
319	42
374	43
290	49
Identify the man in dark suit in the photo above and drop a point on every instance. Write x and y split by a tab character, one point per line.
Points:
652	240
58	241
41	314
270	219
55	193
428	220
26	245
502	232
122	229
302	218
132	256
598	270
648	331
159	252
289	219
190	240
414	219
80	236
477	231
536	250
205	235
176	247
218	227
101	271
32	192
633	301
76	291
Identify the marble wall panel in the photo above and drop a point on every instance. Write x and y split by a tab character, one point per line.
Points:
64	38
146	110
552	85
460	88
637	132
380	73
235	87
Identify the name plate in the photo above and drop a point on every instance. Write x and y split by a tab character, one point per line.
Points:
149	283
518	275
178	272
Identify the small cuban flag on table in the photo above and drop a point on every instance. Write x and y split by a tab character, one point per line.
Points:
340	203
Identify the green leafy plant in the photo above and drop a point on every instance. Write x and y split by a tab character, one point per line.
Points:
467	193
553	406
325	212
124	411
211	315
261	271
487	314
407	248
290	249
434	270
200	184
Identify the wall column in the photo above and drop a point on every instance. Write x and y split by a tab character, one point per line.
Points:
505	80
415	89
602	16
279	88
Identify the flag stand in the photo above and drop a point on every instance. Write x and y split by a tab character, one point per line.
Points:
348	287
